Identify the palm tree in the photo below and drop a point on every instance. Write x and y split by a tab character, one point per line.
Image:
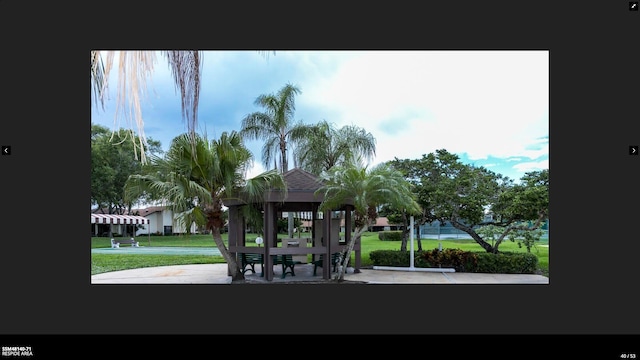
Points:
277	128
328	147
196	183
367	189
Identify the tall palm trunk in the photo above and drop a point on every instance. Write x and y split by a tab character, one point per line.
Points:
284	167
344	261
215	223
234	269
361	223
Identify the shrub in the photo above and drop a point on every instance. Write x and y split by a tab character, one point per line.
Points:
450	258
461	261
389	257
392	235
506	263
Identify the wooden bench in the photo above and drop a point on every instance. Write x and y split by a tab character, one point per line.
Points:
251	260
318	263
287	262
116	243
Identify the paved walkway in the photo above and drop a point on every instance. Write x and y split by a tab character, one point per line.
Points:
217	274
157	250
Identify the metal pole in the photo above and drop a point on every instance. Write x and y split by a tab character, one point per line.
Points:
411	239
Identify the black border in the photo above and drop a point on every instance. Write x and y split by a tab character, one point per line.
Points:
593	119
460	346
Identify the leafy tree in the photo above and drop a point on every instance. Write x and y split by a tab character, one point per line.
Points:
449	190
196	183
282	225
368	189
328	146
400	216
112	161
523	209
277	128
407	167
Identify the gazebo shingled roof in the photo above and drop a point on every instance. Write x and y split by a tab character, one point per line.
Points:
301	180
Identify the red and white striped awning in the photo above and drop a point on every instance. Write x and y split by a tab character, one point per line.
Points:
118	219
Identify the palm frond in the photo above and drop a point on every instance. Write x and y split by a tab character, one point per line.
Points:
97	78
270	148
326	146
134	69
265	54
186	67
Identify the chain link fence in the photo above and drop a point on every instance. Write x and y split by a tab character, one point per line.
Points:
443	232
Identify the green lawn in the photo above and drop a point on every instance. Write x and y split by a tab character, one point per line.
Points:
112	262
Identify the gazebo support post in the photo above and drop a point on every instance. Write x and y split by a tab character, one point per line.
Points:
234	222
326	262
270	241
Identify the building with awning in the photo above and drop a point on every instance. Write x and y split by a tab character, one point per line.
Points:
117	220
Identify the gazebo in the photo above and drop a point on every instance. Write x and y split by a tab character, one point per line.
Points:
300	197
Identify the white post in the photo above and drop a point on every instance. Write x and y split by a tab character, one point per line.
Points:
411	239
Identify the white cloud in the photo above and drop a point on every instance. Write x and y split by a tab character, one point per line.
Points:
532	166
256	169
478	102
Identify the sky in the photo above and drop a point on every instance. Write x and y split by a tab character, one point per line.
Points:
491	108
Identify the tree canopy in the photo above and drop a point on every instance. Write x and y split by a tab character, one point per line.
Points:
451	191
112	161
327	146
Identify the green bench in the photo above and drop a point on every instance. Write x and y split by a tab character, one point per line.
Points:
334	262
249	261
287	264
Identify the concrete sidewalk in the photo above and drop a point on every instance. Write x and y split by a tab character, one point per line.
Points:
176	274
217	274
